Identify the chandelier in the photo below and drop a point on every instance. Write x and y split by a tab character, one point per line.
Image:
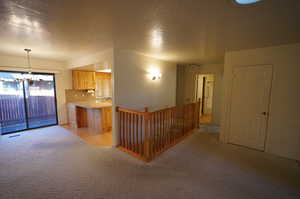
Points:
27	76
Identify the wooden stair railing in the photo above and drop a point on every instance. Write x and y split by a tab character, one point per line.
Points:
145	135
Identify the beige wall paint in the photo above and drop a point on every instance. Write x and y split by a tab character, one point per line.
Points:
103	58
62	76
63	82
186	76
283	136
134	90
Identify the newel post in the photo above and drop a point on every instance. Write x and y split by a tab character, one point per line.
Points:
146	109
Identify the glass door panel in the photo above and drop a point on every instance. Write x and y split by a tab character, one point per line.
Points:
26	101
41	102
12	104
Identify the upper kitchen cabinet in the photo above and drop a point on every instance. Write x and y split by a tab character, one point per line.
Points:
84	80
103	85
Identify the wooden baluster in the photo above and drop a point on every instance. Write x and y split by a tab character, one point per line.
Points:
119	126
124	130
159	130
136	134
155	132
184	120
127	132
146	146
141	118
172	124
130	133
151	135
169	125
142	134
133	132
164	128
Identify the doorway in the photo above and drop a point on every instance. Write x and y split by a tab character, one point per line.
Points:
204	92
27	101
250	101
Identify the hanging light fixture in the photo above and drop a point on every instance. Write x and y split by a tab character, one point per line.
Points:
28	75
25	76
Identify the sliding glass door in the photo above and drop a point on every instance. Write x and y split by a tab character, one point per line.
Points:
26	102
12	104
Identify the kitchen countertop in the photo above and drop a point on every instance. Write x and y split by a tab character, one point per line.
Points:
92	104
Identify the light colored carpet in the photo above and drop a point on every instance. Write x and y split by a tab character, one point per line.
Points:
54	163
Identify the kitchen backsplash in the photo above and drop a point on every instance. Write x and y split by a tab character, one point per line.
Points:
79	95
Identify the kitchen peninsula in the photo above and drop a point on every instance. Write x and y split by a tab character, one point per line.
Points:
94	115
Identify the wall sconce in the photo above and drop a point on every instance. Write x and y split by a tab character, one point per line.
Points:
154	74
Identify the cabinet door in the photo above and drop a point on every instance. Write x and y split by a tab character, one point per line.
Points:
90	80
83	80
76	82
107	119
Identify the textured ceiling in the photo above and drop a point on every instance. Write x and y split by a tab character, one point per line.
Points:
194	31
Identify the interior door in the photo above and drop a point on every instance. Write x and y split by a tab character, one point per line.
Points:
198	91
250	106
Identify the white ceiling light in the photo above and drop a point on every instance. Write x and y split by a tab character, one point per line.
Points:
245	2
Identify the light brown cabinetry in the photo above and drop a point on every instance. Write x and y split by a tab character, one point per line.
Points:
72	115
103	85
96	119
106	119
83	80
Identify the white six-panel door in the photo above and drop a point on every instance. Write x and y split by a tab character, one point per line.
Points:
250	106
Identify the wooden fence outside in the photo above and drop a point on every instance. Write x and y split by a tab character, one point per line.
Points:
12	108
147	134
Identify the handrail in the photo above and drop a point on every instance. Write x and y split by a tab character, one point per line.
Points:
147	134
119	109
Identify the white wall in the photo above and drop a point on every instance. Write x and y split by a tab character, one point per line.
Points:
284	123
135	90
62	76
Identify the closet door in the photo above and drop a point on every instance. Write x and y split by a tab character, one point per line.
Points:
250	106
